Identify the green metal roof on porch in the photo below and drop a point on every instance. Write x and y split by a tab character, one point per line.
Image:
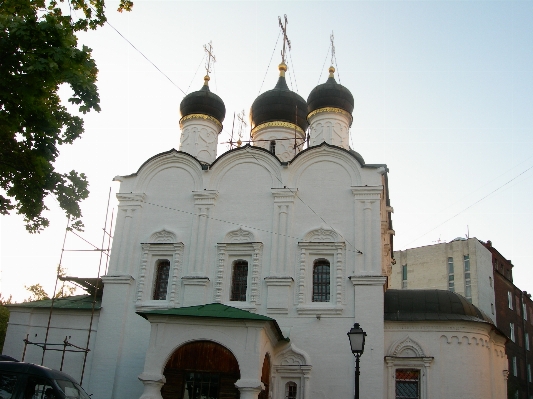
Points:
214	311
78	302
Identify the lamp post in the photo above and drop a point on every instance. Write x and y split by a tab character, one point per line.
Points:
357	343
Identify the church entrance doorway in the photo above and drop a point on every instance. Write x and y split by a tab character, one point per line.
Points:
201	370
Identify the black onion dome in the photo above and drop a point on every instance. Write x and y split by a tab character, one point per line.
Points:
330	94
204	102
279	104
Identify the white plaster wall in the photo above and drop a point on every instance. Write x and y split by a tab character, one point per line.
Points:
64	323
331	127
244	189
427	268
469	357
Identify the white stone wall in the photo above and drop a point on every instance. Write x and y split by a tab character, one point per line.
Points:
457	360
427	268
248	195
70	324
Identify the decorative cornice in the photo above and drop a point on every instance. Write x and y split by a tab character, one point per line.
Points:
122	279
367	192
287	125
330	109
131	197
284	194
201	116
205	197
368	280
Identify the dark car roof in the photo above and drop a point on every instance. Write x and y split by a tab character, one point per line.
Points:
30	368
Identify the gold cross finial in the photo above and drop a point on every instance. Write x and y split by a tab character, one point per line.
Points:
210	57
242	126
286	41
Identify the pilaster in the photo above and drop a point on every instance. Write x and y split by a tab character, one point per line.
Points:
129	207
367	229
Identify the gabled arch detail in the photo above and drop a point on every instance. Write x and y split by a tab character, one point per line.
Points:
406	348
292	356
239	236
163	237
321	234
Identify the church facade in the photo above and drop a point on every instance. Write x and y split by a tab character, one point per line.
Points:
239	275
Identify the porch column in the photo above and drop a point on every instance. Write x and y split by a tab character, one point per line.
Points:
152	385
249	388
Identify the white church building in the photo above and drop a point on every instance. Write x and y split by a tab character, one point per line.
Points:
238	275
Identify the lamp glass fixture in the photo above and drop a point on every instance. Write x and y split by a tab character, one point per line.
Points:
357	339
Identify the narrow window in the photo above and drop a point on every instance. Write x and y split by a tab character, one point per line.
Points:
321	280
161	280
511	332
291	390
239	283
468	287
527	341
407	384
515	367
510	299
529	373
273	147
404	276
524	311
451	283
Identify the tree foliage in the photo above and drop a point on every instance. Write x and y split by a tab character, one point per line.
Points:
39	52
4	318
37	292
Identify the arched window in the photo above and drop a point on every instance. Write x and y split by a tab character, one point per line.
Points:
273	147
239	281
161	279
291	390
321	280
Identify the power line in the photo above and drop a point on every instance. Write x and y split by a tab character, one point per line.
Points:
147	59
470	206
269	62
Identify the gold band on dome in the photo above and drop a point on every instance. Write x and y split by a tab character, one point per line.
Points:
329	109
201	116
288	125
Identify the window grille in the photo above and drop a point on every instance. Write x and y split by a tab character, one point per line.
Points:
201	385
407	384
321	280
161	280
404	276
273	147
451	283
291	390
468	286
239	282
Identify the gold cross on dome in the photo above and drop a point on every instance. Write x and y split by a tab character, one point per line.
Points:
242	126
286	41
210	57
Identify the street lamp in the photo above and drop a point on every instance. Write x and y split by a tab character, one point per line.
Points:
357	342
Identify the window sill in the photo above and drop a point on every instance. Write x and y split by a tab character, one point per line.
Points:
322	308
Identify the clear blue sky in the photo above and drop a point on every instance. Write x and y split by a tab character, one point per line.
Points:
443	95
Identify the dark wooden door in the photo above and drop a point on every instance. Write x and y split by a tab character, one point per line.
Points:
201	368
